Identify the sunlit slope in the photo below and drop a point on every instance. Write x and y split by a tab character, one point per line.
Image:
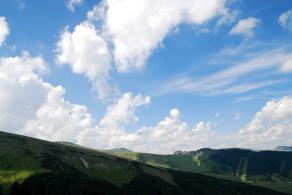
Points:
63	168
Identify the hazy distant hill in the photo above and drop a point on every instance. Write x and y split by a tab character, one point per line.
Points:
284	148
272	169
32	166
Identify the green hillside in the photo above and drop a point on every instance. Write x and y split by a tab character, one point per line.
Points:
265	168
32	166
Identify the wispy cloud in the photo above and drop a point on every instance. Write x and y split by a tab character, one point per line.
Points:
244	99
21	4
243	88
230	80
238	116
72	4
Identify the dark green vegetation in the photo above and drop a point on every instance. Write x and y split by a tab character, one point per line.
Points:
271	169
32	166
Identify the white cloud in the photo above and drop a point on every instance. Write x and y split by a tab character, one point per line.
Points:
123	112
19	85
57	119
136	28
32	107
285	20
245	27
173	134
110	132
270	127
4	30
72	4
87	53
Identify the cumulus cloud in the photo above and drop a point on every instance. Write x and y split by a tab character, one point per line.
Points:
173	134
134	40
123	112
87	53
19	85
4	30
57	119
72	4
270	127
285	20
110	131
166	136
245	27
33	107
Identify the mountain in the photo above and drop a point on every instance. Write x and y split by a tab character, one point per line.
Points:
284	148
116	150
32	166
272	169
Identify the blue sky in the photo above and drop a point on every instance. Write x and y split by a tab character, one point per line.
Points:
216	68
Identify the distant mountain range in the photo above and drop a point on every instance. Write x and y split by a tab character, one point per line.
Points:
32	166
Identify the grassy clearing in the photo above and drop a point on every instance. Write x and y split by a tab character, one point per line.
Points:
8	177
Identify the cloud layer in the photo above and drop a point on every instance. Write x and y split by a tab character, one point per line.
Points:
44	117
108	40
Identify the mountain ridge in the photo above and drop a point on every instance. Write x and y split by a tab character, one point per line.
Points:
267	168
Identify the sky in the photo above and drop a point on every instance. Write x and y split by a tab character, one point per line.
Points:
148	75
